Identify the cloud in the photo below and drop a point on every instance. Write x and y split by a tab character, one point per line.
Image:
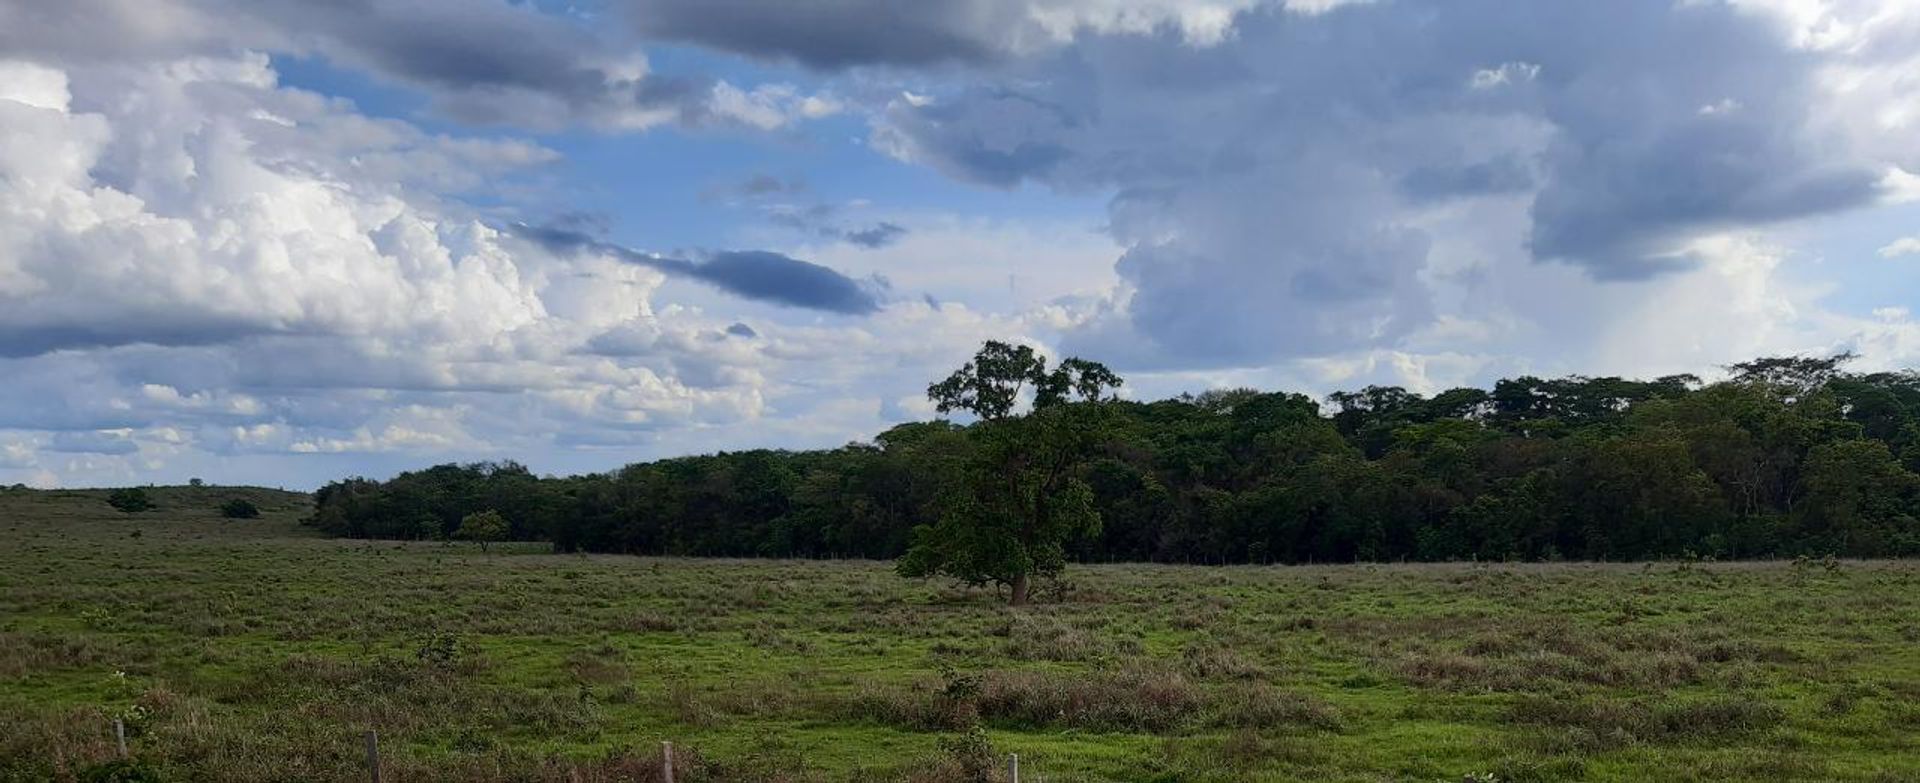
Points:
217	265
1501	174
846	33
299	230
784	202
880	235
204	272
558	71
97	442
1276	188
772	277
754	274
1904	246
821	220
755	187
16	455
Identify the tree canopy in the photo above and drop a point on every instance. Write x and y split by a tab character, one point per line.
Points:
484	527
1018	496
1785	457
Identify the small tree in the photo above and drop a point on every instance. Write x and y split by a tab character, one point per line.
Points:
239	508
1019	498
483	526
129	500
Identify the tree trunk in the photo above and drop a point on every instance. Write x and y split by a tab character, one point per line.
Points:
1019	597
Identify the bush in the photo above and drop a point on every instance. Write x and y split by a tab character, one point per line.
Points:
483	526
1131	699
130	500
239	508
120	771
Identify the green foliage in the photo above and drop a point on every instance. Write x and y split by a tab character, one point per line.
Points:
1789	456
1015	502
130	500
120	771
971	755
239	508
440	649
484	527
990	385
1019	497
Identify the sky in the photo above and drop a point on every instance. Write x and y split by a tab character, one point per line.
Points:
281	242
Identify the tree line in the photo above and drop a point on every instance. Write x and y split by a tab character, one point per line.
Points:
1787	456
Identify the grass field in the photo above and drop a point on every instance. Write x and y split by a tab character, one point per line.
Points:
250	650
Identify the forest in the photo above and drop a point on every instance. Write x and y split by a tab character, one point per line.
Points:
1786	457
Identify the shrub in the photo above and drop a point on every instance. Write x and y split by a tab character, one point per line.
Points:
1261	706
239	508
1609	723
129	500
1132	699
483	526
120	771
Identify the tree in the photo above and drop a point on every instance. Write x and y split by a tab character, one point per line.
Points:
1792	377
1789	456
483	526
991	384
129	500
1860	501
239	508
1018	497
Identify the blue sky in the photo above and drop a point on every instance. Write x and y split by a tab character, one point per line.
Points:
281	242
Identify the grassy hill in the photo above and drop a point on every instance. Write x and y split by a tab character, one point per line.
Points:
179	504
245	650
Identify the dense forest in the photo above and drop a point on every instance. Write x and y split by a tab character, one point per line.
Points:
1786	457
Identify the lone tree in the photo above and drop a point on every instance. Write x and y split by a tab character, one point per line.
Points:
1018	497
483	526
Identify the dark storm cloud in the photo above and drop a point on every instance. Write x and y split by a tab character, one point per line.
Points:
772	277
1504	174
1269	187
995	136
487	62
478	61
754	274
832	34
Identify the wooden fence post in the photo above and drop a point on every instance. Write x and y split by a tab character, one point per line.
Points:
120	736
666	760
1013	767
373	755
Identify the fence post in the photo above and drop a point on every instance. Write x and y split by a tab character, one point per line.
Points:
666	760
373	755
120	736
1013	767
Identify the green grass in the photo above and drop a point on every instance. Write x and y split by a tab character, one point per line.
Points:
244	650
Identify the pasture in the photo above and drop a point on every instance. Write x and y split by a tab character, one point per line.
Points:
246	650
